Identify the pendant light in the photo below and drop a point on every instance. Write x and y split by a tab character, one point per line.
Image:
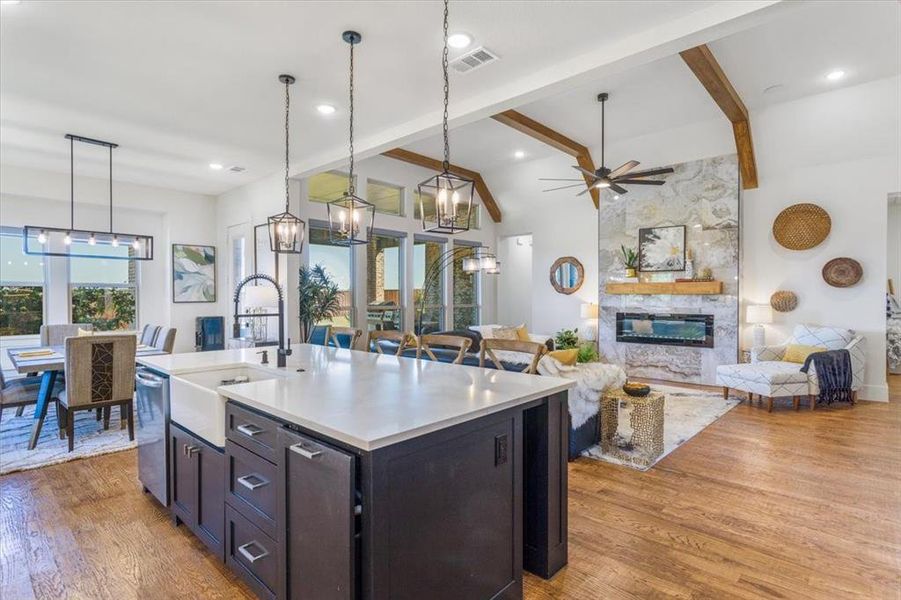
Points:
85	243
445	199
350	218
286	232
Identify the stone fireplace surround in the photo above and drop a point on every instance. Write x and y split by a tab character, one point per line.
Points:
704	196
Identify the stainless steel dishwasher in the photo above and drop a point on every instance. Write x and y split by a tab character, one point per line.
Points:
152	429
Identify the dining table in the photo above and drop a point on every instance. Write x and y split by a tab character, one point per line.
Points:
49	361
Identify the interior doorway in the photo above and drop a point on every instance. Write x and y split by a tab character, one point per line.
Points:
514	291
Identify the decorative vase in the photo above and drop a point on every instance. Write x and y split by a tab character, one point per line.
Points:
631	272
689	269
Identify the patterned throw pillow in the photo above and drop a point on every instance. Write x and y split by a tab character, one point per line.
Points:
798	353
506	333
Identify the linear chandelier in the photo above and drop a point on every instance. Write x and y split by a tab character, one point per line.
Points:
40	240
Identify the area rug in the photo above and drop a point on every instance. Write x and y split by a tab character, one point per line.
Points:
686	413
90	439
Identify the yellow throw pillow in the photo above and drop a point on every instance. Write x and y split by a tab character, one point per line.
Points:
566	357
798	353
523	334
506	333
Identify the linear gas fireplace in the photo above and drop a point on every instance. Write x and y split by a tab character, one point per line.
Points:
668	329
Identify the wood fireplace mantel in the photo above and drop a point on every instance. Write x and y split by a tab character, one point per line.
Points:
680	288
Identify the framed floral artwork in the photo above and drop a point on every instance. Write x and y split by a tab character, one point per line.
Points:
661	249
193	273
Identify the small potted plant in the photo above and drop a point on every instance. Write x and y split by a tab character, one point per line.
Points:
630	261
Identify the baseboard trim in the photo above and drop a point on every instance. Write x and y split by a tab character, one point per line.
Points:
874	393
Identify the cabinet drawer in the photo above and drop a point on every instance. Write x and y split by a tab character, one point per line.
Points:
252	431
251	554
252	487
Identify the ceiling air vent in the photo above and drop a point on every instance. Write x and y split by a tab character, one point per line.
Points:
237	169
473	60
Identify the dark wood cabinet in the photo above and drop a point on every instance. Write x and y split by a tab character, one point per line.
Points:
317	510
197	482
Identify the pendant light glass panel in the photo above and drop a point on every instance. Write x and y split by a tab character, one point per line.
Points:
471	264
445	203
350	220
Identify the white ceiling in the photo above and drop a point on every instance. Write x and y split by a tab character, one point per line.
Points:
181	84
794	51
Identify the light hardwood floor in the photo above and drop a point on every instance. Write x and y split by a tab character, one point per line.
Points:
782	505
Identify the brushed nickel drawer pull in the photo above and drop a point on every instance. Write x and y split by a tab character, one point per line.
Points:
250	429
245	480
299	449
248	555
192	450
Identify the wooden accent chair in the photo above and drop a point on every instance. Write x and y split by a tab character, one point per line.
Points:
404	340
348	333
19	393
100	373
461	343
489	345
149	334
55	335
165	340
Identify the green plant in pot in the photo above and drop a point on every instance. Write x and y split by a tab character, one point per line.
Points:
587	354
318	298
566	339
630	260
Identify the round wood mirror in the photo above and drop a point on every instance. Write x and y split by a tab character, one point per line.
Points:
567	275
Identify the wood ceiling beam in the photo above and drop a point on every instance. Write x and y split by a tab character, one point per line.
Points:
555	139
433	164
708	71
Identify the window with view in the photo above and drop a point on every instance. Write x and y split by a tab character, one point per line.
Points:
21	287
384	277
429	201
426	252
104	291
466	292
387	198
337	261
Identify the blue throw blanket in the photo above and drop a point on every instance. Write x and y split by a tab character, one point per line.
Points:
833	374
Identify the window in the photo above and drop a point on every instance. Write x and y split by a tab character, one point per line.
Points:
387	198
104	291
466	292
426	251
429	200
384	282
21	286
326	187
338	264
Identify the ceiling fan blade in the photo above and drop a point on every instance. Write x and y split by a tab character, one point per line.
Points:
583	192
639	182
554	179
585	171
650	172
623	169
618	189
565	187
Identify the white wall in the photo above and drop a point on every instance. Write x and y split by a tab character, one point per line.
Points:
808	150
514	286
34	197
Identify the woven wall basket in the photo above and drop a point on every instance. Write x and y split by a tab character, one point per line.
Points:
842	272
802	226
784	301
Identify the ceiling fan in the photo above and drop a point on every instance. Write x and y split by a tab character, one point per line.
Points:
607	178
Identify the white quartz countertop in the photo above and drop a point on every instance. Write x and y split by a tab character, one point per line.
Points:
364	399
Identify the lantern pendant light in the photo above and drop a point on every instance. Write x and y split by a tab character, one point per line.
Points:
286	232
445	199
350	218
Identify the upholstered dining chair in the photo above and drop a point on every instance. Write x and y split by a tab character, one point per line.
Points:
149	334
55	335
426	341
100	373
21	392
165	340
350	335
403	340
489	345
320	335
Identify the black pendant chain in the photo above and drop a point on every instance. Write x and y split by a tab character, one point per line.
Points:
446	91
287	139
350	176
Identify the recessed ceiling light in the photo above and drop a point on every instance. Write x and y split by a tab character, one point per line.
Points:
616	197
216	166
835	75
519	154
458	40
325	109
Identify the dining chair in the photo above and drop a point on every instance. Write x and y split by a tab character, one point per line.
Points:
55	335
428	340
350	335
21	392
100	373
320	335
489	345
165	340
149	334
403	340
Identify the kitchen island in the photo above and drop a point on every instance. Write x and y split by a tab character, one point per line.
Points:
356	475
